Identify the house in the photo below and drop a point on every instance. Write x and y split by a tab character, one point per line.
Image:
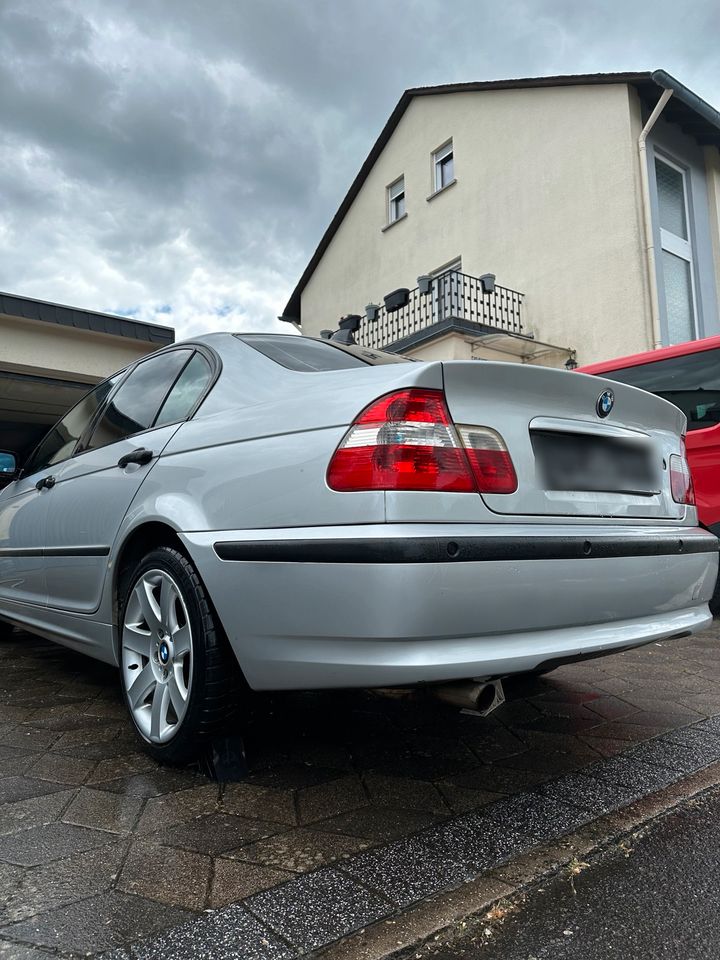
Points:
555	220
50	355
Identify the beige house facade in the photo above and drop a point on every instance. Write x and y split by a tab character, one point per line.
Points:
590	205
50	355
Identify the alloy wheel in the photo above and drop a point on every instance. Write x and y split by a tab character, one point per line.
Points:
157	655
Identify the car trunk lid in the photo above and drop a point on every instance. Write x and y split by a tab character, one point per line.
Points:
569	459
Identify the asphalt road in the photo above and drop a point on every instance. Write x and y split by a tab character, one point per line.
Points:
656	897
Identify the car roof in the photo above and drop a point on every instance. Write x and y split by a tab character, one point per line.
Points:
652	356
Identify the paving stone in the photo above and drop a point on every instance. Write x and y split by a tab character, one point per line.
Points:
103	811
216	833
328	799
589	793
163	811
299	850
20	788
407	794
298	910
378	822
64	881
294	776
95	924
154	783
33	812
231	934
59	769
233	880
14	762
13	951
266	803
621	730
38	845
117	768
175	877
462	799
499	779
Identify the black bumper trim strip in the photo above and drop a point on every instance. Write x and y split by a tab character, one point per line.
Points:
91	551
459	549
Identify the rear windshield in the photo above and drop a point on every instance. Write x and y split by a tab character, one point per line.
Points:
312	356
691	382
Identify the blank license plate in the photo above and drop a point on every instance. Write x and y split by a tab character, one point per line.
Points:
584	462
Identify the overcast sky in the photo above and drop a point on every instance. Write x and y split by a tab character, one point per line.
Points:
178	160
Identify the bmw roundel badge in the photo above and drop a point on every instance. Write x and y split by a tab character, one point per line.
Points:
605	402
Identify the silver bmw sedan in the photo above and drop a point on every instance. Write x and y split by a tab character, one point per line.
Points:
276	512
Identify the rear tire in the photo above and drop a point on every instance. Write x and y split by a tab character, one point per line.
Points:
179	678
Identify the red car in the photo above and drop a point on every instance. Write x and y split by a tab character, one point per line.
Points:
687	375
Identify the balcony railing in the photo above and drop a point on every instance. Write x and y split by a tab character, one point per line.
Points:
453	297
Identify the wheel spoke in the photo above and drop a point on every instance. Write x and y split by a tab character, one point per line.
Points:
177	696
148	605
136	640
181	641
141	686
168	596
158	716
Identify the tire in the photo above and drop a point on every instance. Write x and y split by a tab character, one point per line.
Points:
179	678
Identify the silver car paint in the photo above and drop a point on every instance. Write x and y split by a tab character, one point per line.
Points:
251	464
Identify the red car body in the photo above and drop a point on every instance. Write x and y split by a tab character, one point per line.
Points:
688	375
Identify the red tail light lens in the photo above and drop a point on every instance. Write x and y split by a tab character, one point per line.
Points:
407	441
681	483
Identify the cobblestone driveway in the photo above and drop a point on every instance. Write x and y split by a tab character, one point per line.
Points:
100	847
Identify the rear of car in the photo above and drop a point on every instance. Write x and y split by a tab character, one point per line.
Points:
455	520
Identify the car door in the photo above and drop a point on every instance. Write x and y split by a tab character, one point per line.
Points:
24	503
92	492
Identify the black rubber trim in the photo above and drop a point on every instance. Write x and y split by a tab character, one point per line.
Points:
54	551
460	549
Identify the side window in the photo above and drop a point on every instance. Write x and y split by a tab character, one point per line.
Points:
188	389
691	382
135	405
60	442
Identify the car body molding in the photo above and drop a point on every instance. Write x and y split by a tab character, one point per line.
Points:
460	549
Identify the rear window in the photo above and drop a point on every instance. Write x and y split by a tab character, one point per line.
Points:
691	382
314	356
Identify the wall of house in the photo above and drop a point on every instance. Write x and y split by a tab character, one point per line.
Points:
546	198
712	172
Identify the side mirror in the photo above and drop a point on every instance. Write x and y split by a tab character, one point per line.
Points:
8	465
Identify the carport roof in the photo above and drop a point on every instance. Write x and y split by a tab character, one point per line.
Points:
29	309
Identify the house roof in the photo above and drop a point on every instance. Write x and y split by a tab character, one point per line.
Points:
29	309
696	117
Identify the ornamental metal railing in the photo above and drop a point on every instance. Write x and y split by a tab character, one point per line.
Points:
451	296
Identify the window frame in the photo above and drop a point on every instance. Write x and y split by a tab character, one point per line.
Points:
675	245
81	446
439	156
392	199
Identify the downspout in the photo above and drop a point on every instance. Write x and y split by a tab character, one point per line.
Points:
656	333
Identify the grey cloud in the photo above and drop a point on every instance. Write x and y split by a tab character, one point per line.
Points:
186	153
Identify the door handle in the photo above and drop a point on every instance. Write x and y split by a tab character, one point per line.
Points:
47	482
141	456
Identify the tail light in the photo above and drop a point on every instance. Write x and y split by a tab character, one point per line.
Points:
681	482
407	441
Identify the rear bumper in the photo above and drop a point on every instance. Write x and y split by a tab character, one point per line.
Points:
413	603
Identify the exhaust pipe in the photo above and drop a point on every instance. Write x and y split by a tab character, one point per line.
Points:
479	697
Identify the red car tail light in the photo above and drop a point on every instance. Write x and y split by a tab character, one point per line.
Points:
681	482
407	441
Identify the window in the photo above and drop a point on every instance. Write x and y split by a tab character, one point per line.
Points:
676	256
62	439
444	166
135	405
314	356
396	200
189	387
691	382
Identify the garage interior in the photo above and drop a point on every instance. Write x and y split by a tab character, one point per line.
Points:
50	355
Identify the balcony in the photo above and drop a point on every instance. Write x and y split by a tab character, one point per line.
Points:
454	302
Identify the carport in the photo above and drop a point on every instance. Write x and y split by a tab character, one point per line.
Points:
51	354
